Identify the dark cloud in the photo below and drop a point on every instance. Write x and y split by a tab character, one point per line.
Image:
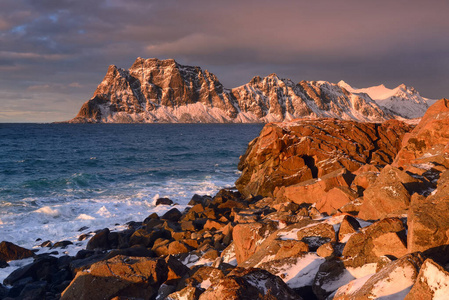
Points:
53	53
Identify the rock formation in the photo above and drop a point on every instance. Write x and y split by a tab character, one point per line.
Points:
163	91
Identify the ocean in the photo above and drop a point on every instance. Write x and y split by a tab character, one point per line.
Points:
58	181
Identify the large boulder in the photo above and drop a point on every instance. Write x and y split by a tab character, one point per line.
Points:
394	281
312	191
428	222
10	251
432	283
292	152
249	284
429	141
138	277
385	237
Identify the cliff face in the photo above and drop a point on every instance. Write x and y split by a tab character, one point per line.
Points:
155	90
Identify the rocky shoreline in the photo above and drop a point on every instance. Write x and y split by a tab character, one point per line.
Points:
325	209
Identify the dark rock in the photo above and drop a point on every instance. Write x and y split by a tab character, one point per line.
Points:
3	264
137	251
41	269
197	199
84	263
163	201
99	241
10	251
46	244
172	215
62	244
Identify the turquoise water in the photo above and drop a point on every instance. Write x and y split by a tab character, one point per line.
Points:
57	178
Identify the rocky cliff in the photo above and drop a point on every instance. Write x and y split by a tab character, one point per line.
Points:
164	91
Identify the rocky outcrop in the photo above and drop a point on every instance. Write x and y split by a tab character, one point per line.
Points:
292	152
155	91
10	251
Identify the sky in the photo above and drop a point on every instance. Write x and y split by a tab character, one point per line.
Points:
53	53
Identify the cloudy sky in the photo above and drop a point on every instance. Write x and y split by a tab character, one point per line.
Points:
53	53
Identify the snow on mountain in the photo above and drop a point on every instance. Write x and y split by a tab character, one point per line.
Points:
156	91
403	100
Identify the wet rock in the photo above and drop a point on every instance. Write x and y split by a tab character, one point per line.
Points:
62	244
10	251
99	241
138	277
163	201
249	284
432	283
41	269
172	215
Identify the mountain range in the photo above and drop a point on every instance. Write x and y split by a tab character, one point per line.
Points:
164	91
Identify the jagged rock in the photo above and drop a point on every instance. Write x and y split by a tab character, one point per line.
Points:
394	280
428	142
428	223
249	284
325	250
164	201
41	269
390	194
204	277
188	293
365	176
10	251
292	152
348	226
432	283
316	235
335	198
100	241
385	237
172	215
314	190
119	276
248	237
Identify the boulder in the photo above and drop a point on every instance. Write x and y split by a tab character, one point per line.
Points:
394	281
428	222
316	235
100	241
164	201
249	284
348	226
172	215
335	198
188	293
428	142
138	277
292	152
10	251
432	282
313	190
385	237
248	237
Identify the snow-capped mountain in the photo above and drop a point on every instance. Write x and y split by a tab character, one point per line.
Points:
155	90
403	100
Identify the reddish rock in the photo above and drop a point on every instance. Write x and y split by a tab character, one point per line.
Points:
10	251
316	235
385	237
248	237
137	277
335	198
313	190
348	226
325	250
292	152
429	140
188	293
249	284
432	283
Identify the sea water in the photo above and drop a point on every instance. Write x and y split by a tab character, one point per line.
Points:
58	181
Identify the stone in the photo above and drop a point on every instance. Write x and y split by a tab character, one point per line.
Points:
41	269
249	284
396	278
286	154
316	235
164	201
10	251
335	198
432	282
429	140
248	237
348	226
325	250
385	237
313	190
188	293
138	277
99	241
428	223
172	215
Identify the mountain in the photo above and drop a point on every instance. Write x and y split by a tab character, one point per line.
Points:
163	91
403	100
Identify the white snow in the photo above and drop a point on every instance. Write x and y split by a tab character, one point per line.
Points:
437	280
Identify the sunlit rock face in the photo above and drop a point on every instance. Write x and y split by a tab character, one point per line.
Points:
165	91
